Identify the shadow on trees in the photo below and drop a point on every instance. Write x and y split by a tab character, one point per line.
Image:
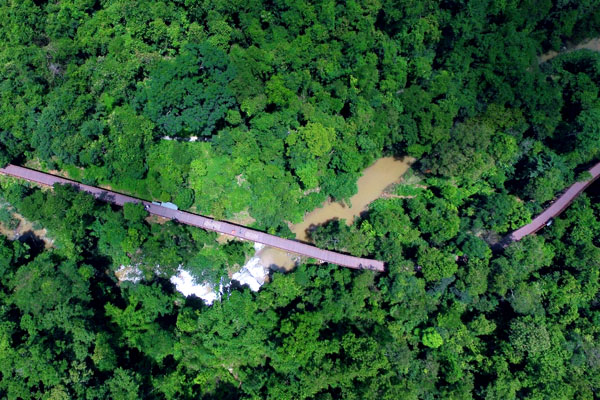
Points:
225	391
36	245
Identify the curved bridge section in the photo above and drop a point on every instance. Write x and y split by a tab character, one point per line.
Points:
200	221
557	207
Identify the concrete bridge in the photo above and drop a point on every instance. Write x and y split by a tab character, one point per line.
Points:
200	221
557	207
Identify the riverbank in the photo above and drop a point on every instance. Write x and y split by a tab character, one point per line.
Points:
23	229
372	185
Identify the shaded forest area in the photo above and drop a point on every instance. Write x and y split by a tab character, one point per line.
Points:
286	102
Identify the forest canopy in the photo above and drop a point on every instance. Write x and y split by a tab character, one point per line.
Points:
268	109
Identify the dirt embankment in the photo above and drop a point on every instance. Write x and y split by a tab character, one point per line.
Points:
591	44
24	228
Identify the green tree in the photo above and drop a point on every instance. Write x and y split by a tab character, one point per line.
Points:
431	338
189	95
436	264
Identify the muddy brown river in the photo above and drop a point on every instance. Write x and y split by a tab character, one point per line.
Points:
376	178
371	185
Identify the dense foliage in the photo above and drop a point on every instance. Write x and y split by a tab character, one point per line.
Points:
518	324
293	96
267	109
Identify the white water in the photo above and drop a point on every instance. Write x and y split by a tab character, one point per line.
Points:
186	285
190	139
253	274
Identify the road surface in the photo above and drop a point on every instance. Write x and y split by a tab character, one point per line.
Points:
556	208
184	217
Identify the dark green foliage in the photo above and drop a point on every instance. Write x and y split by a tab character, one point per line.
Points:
134	212
501	213
316	91
65	319
189	94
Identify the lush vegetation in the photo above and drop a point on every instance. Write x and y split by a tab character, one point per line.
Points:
294	96
270	108
518	324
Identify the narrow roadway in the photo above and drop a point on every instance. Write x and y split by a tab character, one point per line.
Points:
184	217
557	207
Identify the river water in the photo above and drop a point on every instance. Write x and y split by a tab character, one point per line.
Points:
376	178
371	185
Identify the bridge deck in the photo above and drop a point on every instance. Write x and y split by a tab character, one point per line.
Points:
557	207
184	217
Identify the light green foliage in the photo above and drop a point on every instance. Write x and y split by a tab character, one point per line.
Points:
547	174
104	356
529	336
588	136
129	134
431	338
309	148
520	260
527	299
436	264
168	166
185	198
218	191
441	222
318	138
309	319
7	218
123	385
